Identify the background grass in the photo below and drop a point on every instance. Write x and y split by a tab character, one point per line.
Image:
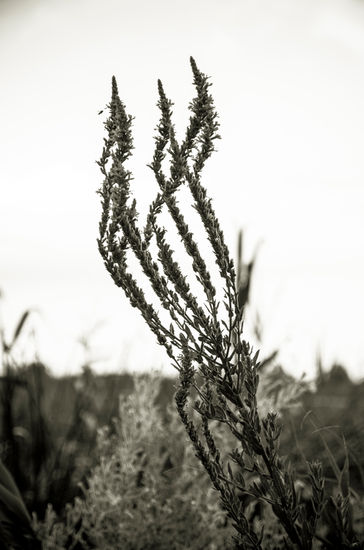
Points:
54	423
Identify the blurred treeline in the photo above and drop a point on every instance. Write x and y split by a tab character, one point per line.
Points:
49	425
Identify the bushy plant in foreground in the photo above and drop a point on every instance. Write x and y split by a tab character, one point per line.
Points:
147	491
204	338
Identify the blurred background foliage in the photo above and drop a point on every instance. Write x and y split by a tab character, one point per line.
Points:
62	439
64	445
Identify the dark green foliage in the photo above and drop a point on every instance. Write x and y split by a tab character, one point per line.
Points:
49	429
16	531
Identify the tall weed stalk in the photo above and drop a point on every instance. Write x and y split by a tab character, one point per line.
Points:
218	369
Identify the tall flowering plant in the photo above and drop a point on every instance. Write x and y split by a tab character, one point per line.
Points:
218	369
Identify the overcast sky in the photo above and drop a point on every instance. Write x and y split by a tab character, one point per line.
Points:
288	83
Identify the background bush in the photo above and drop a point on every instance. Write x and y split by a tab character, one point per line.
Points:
68	422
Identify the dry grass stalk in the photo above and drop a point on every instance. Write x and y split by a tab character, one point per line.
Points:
204	341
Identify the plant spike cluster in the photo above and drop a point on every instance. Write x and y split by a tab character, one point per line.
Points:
198	340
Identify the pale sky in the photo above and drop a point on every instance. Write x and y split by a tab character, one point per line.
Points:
288	83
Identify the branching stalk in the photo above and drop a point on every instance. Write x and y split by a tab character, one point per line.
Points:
199	338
